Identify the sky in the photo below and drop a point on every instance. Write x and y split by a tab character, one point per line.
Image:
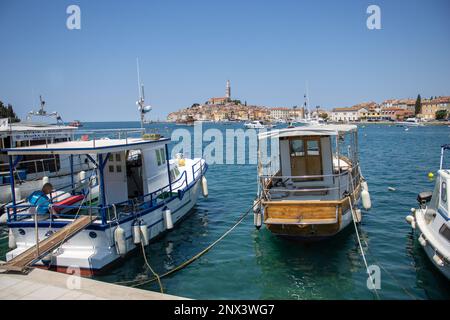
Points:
269	50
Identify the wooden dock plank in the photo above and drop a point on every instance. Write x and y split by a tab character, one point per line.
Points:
29	256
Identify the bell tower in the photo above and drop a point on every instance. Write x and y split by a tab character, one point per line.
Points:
228	90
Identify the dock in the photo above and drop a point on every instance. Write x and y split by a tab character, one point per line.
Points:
41	284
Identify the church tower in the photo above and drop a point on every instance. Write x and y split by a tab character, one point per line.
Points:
228	90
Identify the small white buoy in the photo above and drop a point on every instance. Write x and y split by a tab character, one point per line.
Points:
391	189
18	194
422	241
45	180
120	241
167	214
438	260
11	240
144	233
204	187
256	208
365	198
136	232
413	210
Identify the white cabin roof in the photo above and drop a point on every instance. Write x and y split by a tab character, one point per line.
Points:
27	126
323	130
86	147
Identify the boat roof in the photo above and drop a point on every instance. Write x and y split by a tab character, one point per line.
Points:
32	126
320	130
86	147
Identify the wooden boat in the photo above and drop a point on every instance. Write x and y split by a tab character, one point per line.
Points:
312	185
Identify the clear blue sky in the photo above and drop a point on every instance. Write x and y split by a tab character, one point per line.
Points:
189	48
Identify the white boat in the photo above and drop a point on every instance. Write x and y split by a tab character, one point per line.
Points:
32	170
432	220
312	185
257	125
410	122
142	194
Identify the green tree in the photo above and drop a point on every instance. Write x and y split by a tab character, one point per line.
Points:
441	114
418	105
8	112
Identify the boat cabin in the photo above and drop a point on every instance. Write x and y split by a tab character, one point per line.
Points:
126	169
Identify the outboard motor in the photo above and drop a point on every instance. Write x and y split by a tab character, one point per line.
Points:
423	198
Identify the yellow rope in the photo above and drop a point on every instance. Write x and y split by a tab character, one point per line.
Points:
148	265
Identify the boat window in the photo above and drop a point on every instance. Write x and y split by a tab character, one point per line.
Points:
118	157
445	232
118	168
163	156
158	157
111	168
111	157
297	148
313	147
444	192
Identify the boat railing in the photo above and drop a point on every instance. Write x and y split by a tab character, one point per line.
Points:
102	134
51	166
125	208
199	170
269	186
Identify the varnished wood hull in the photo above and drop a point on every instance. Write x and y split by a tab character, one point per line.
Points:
309	220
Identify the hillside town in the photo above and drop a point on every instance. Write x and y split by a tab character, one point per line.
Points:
221	109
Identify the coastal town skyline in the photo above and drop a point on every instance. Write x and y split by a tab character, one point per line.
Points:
268	51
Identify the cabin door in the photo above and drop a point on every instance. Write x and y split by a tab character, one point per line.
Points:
306	159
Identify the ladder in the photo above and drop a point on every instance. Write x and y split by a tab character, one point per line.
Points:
24	260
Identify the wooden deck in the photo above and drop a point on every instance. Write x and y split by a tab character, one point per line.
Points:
24	260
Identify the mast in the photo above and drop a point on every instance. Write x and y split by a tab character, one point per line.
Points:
143	109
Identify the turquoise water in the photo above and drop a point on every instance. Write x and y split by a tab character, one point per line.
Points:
251	264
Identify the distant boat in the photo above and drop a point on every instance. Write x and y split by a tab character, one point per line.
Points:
257	125
76	123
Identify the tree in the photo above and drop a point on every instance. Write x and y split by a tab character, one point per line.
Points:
441	114
8	112
418	105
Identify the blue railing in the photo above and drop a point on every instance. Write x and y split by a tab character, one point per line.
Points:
129	207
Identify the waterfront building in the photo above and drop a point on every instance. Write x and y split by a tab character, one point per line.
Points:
222	100
350	114
395	114
430	107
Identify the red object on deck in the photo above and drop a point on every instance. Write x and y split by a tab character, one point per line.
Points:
60	205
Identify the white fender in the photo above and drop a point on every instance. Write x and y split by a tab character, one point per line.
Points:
358	215
364	185
11	240
422	241
257	219
4	218
167	214
136	232
204	187
45	180
120	241
411	220
365	199
438	260
144	233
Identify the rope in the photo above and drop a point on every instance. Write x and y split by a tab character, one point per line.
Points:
138	283
149	266
360	246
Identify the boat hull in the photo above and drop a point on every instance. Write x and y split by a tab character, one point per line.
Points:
432	244
94	248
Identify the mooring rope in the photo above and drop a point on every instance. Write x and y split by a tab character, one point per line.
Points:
149	266
138	283
361	248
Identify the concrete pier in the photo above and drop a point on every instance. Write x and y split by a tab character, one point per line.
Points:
48	285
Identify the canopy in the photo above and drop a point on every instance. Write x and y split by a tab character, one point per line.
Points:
324	130
85	147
